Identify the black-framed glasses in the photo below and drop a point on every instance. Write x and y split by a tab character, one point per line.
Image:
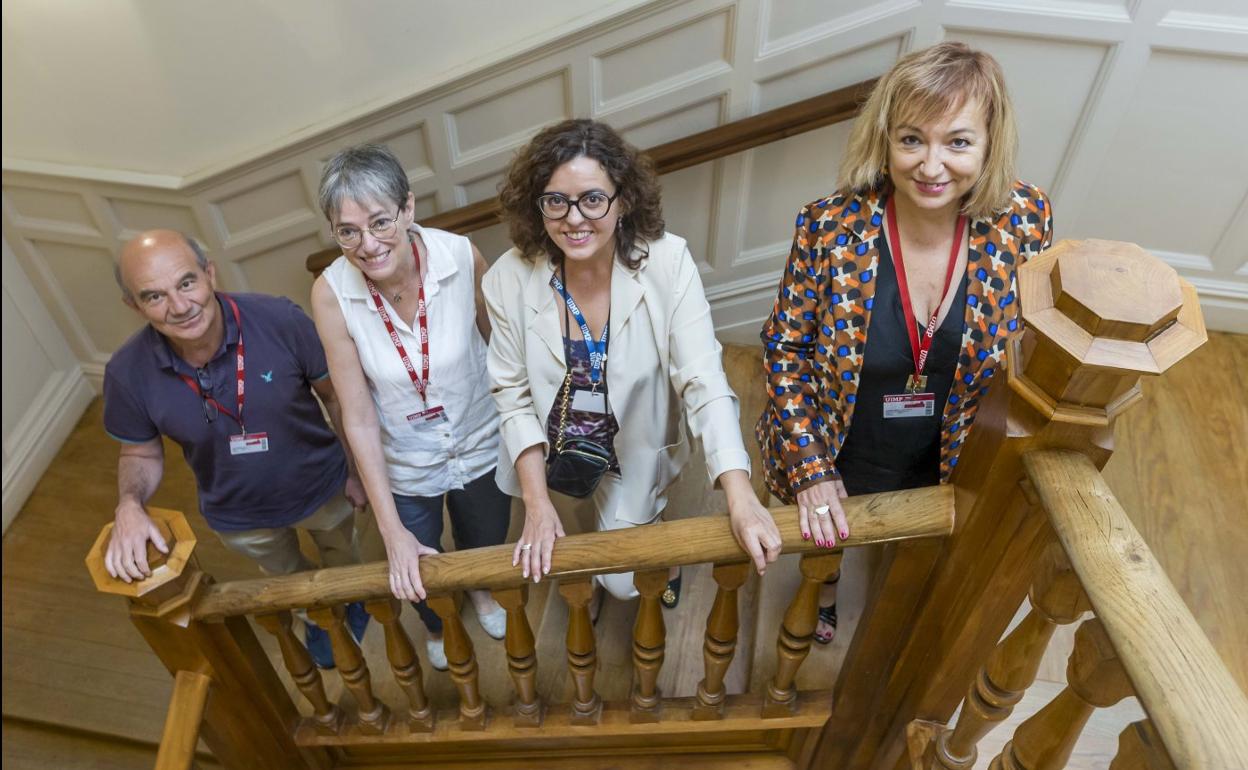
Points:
592	205
349	237
205	392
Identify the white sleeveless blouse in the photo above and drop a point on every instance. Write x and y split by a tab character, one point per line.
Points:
432	458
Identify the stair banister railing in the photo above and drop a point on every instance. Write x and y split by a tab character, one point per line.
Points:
1098	316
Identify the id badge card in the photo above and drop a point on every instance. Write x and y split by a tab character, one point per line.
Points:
434	415
592	401
909	405
249	443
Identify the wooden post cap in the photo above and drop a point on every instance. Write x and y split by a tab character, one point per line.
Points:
1100	314
174	575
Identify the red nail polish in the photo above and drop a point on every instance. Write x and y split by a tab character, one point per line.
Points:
805	535
844	535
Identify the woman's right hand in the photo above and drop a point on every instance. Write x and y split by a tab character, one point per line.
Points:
403	551
824	528
537	542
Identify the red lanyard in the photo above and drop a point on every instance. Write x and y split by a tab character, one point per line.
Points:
421	381
236	416
919	347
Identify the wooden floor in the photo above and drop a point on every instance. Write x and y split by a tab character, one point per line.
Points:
71	659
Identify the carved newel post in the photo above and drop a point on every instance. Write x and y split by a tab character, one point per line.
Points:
248	718
1100	313
1096	316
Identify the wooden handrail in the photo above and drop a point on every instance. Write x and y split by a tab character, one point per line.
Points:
186	714
1200	713
712	144
879	518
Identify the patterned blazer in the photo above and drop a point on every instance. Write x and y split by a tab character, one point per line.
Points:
817	332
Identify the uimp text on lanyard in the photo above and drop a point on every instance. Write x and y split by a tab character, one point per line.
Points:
915	401
429	414
591	401
243	442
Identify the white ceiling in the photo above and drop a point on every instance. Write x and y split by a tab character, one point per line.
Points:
174	88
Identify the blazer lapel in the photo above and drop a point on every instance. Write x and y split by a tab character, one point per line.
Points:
544	310
626	294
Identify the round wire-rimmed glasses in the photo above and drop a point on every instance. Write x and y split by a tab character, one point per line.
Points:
349	237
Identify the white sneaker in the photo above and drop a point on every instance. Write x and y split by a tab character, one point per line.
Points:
437	654
494	623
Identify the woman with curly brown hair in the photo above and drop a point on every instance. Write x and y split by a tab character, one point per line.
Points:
601	333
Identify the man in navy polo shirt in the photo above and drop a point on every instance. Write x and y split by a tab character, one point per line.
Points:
230	379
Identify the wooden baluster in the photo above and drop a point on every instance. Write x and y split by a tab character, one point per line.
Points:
183	721
1056	598
521	655
1140	748
404	664
463	662
796	633
721	640
582	655
1094	679
373	714
649	642
326	716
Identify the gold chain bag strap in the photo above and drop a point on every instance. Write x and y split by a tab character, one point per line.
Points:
577	465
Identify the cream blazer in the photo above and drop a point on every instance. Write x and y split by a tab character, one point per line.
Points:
663	355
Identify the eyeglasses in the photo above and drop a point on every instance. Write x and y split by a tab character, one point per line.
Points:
349	237
205	391
592	205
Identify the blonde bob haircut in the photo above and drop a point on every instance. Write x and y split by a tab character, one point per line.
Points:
927	85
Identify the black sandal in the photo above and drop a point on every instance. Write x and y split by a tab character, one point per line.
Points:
828	614
671	595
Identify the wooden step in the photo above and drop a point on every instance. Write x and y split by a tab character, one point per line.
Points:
35	746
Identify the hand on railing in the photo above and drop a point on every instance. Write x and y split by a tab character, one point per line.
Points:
752	524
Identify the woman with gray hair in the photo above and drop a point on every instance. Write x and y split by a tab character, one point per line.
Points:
405	331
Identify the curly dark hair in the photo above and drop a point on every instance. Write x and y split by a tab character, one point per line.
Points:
631	171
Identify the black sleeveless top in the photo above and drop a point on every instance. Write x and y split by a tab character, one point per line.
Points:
882	455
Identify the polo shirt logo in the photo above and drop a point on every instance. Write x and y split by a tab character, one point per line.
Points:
267	376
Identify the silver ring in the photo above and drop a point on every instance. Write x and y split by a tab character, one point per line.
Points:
822	510
526	546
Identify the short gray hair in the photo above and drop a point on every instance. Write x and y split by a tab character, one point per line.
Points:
201	259
366	172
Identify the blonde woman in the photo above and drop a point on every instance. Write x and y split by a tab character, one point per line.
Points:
899	294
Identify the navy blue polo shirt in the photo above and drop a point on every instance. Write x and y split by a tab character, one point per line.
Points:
144	397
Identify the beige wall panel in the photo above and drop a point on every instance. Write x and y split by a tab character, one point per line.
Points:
1229	8
1049	108
674	125
85	274
411	146
425	206
491	241
688	204
26	365
134	216
280	270
250	210
57	209
795	18
783	177
506	119
828	74
681	54
1177	170
479	189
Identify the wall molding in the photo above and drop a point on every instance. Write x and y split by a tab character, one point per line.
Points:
39	436
258	218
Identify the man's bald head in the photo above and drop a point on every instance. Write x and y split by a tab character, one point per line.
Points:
147	245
